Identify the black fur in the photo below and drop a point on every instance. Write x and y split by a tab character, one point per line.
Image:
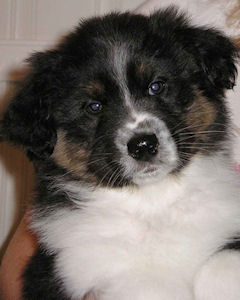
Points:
40	280
56	95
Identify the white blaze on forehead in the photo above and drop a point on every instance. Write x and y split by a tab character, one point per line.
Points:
137	119
120	56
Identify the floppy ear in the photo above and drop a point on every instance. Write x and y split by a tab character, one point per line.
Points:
29	120
217	57
213	53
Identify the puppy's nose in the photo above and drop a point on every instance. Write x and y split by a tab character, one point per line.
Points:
143	147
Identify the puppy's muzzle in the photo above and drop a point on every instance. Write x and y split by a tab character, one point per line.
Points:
143	147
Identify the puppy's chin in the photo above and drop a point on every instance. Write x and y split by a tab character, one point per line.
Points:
152	173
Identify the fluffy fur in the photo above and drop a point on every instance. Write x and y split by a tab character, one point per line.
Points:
127	126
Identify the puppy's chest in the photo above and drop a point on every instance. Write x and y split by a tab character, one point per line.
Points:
137	233
144	234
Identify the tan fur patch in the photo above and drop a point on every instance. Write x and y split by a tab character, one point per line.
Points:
142	68
237	42
95	87
201	114
72	157
233	18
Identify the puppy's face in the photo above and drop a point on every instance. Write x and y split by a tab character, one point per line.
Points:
126	99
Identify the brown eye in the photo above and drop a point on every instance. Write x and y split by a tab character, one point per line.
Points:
155	88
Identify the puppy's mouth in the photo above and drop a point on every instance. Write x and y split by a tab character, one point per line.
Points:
148	174
150	170
151	173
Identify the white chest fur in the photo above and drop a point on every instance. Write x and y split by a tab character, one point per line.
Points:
147	241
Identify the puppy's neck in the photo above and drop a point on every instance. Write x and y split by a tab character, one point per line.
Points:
200	175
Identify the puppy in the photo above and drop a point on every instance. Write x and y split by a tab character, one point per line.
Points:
127	126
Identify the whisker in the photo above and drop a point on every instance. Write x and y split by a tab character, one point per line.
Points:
122	179
99	138
187	127
198	148
185	154
112	176
187	136
194	144
108	172
202	132
116	178
184	139
197	126
178	124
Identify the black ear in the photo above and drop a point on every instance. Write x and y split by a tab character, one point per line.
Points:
217	56
29	120
214	55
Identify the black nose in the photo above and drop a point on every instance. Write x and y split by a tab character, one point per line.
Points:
143	147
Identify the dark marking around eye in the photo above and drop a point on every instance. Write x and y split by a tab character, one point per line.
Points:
155	88
94	107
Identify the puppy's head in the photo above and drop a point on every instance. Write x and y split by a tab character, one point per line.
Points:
126	99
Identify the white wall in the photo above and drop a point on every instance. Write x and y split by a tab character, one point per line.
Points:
26	26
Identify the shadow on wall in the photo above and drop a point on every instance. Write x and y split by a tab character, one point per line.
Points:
16	172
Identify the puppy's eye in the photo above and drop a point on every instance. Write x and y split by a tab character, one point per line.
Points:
94	108
156	87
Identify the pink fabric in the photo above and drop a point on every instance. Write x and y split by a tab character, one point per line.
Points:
237	167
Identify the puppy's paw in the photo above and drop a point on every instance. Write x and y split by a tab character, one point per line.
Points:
219	278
